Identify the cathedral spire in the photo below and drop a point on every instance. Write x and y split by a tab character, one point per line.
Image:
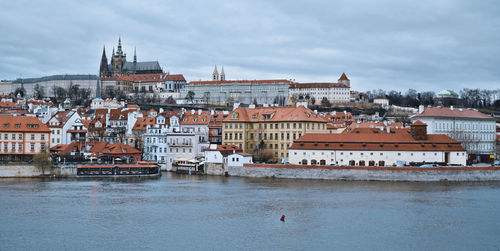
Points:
135	56
222	75
215	75
119	50
103	69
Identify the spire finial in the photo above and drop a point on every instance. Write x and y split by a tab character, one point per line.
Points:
135	56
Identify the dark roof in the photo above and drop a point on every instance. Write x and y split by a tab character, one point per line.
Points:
142	66
57	77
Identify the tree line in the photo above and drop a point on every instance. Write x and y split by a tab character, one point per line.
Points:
473	98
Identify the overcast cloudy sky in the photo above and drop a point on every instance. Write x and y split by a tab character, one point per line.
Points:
425	44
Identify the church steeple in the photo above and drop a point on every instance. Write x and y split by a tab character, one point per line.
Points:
119	51
135	56
215	75
103	69
222	75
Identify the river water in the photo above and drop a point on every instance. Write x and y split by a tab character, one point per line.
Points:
178	212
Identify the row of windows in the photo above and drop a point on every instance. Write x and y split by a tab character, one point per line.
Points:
371	154
274	126
20	147
19	136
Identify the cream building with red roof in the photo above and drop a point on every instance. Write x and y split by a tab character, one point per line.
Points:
22	137
475	130
375	147
256	129
338	92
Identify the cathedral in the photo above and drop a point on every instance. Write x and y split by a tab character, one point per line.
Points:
119	65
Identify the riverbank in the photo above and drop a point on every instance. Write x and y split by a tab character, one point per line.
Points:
367	173
30	171
306	172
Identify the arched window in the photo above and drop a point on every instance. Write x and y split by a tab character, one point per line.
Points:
381	163
352	162
313	162
322	162
361	163
304	162
371	163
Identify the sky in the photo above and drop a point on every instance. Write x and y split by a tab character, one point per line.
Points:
392	45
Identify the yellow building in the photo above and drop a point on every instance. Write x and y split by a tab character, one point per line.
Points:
265	130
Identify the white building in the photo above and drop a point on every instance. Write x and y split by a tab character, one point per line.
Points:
59	125
221	92
475	130
218	158
50	82
375	147
334	92
165	147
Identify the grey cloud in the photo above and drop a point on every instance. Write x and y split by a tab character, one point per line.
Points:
380	44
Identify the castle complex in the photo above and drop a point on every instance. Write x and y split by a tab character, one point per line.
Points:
119	65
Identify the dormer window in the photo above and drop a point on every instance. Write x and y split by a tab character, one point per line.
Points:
18	125
235	115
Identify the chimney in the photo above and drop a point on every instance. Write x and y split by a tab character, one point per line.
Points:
199	112
451	107
388	129
192	111
421	109
161	110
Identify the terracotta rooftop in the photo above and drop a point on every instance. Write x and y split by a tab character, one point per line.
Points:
317	85
153	77
449	113
195	119
271	81
22	124
343	77
376	140
274	114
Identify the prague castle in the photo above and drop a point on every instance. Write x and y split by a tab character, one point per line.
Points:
119	65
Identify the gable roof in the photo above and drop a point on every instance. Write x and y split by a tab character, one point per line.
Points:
271	81
22	124
375	140
274	114
452	113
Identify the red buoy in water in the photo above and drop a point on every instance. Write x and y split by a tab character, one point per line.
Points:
282	218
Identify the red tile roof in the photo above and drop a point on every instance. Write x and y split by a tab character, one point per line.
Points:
274	114
272	81
144	122
449	113
317	85
343	77
225	150
22	124
375	140
154	77
194	119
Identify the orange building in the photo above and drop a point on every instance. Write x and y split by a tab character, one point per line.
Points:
22	137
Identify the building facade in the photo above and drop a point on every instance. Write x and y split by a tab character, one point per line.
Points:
336	93
273	129
225	92
22	137
475	130
50	83
374	147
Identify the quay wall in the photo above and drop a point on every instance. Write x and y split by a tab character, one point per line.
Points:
29	171
367	173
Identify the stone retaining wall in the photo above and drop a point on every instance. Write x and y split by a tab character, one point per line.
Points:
29	171
381	174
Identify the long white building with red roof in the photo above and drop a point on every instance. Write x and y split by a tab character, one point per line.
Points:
240	91
338	92
475	130
375	147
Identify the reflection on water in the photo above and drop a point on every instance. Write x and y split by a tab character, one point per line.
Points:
196	212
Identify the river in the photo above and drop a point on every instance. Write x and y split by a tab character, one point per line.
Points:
179	212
